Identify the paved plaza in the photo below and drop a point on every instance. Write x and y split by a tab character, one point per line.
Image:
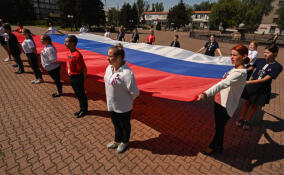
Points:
40	135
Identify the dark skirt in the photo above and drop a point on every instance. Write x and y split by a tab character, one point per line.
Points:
258	93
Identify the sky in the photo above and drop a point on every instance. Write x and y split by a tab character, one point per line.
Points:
167	3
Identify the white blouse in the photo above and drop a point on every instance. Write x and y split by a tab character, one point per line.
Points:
121	89
28	46
49	58
252	54
230	88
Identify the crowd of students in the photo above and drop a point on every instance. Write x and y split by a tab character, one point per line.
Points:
250	79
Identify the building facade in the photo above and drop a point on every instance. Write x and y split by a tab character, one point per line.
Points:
268	24
200	19
45	8
153	18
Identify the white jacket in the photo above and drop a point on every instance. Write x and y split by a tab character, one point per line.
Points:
121	89
230	88
49	58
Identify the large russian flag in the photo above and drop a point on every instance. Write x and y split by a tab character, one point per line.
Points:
161	71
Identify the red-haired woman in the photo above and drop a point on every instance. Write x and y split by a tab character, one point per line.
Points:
226	102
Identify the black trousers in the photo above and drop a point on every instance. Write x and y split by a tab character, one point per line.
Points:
122	126
33	61
55	75
221	119
18	60
77	83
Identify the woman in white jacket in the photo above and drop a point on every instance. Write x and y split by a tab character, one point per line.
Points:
50	64
226	102
121	90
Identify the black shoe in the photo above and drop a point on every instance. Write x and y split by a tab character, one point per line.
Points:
19	72
55	95
81	114
76	113
15	65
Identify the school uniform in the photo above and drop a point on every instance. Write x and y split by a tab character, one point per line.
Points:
175	44
211	47
226	102
75	64
121	90
51	65
135	37
52	30
28	46
3	42
120	36
259	93
13	45
151	39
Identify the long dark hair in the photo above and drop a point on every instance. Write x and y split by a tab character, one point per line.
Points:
29	33
47	38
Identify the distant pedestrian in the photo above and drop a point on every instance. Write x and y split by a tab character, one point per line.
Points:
211	46
83	29
252	54
29	48
14	48
135	36
77	71
107	33
175	42
3	41
51	29
151	37
50	64
121	34
20	28
227	95
258	90
121	90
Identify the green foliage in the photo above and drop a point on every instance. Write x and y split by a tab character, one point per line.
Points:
14	11
142	6
203	6
227	13
158	27
157	7
230	13
128	16
90	12
280	21
253	11
178	15
113	16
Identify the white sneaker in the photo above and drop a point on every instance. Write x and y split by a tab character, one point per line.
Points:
112	145
122	147
7	59
33	81
38	81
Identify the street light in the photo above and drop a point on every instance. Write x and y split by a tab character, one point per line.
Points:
70	19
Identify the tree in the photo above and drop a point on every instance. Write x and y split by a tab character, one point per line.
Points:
227	13
178	15
90	12
113	16
280	21
142	6
203	6
253	11
16	10
127	16
157	7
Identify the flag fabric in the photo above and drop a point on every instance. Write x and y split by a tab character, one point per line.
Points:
161	71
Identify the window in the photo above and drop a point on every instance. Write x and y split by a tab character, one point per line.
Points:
275	20
272	29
